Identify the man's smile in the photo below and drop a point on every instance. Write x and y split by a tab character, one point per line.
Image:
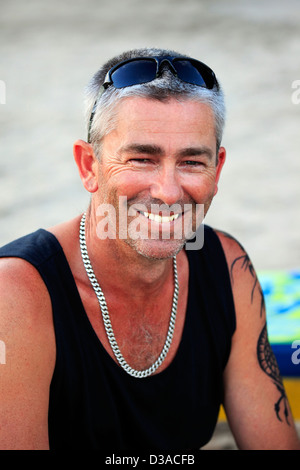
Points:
159	218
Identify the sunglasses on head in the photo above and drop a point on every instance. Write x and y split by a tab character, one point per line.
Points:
140	70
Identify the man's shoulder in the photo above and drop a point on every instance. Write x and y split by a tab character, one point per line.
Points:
231	246
16	272
27	333
26	322
34	247
241	270
22	290
244	280
23	263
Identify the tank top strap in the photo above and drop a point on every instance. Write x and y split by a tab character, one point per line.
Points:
210	285
36	248
42	249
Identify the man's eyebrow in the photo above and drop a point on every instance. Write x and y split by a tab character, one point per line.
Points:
196	152
152	149
148	149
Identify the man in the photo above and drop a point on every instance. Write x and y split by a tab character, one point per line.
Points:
145	360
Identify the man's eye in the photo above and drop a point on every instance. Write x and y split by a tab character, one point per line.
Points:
141	161
192	163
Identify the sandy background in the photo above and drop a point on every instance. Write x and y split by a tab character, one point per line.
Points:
48	52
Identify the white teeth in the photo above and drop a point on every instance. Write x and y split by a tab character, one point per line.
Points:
160	218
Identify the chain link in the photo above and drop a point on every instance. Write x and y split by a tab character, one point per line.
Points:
106	318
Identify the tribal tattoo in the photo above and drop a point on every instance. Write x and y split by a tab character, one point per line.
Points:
266	358
247	265
268	364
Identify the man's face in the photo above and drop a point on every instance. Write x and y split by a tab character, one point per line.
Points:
159	155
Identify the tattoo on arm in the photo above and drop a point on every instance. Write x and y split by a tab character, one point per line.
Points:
246	265
266	358
268	364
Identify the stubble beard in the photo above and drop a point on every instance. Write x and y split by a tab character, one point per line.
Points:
153	248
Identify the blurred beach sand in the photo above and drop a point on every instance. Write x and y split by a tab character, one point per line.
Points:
49	51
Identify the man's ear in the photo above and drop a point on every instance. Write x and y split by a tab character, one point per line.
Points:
221	161
87	164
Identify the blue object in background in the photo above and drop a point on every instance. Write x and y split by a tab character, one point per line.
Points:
282	297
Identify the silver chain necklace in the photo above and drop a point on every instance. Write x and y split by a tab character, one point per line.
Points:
106	318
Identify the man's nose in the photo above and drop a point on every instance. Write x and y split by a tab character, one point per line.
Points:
166	186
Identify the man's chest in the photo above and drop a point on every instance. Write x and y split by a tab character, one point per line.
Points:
141	333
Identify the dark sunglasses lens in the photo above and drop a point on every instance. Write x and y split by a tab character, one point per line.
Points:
192	73
134	73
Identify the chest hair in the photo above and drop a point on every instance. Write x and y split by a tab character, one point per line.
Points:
143	344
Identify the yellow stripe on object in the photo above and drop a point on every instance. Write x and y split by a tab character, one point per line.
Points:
292	388
222	415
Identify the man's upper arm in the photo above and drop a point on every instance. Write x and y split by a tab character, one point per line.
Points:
255	401
28	345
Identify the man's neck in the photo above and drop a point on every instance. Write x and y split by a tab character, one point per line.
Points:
118	266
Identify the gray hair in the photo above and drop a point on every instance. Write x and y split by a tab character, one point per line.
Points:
163	88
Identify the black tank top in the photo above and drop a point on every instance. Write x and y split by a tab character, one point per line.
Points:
94	404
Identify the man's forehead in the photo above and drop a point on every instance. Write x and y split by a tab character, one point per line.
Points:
139	105
153	116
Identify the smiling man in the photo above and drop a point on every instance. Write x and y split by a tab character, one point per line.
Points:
121	335
162	157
